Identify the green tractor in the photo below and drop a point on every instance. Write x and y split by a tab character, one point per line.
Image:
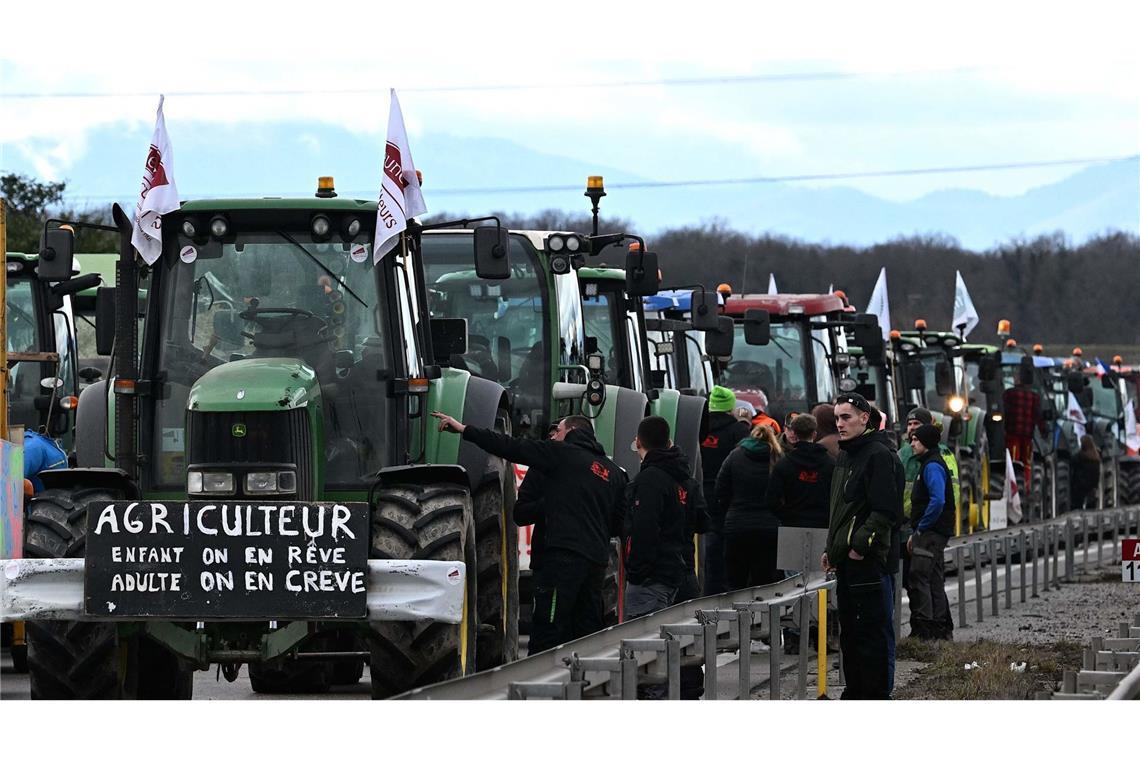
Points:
274	371
958	383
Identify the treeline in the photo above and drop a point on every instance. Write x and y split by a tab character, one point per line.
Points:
1052	291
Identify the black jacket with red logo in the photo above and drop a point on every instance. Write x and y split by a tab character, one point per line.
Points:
657	521
581	507
725	432
799	491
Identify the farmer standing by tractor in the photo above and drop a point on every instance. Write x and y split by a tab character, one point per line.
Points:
582	509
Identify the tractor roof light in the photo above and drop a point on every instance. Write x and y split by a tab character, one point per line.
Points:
573	244
189	228
595	188
1078	352
920	324
419	385
724	289
1118	360
555	243
1011	343
351	229
896	335
1004	328
326	187
219	226
1038	349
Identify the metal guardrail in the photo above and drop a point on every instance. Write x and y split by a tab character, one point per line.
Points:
1110	669
651	649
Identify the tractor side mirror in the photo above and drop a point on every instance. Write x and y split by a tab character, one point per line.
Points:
657	378
719	342
705	316
866	390
988	368
944	379
448	338
869	337
90	374
57	254
104	321
491	260
641	274
757	327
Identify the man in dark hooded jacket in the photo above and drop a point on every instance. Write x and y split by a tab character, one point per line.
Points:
582	509
863	547
656	521
799	491
725	432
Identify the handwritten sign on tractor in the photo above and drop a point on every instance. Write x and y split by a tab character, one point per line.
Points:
247	560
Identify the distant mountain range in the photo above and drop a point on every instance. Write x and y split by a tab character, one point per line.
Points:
285	159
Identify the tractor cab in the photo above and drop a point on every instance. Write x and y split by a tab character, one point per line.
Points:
795	349
681	356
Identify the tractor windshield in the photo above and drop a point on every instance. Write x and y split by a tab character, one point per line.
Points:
270	295
777	368
23	336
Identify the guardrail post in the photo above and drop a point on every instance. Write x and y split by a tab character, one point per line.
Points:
708	644
744	661
1085	541
1099	540
993	544
975	554
1056	556
1070	550
1005	543
1069	682
803	664
1045	549
1033	551
1021	560
673	667
628	674
960	564
775	649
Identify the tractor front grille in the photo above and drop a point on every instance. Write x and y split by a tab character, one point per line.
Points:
271	437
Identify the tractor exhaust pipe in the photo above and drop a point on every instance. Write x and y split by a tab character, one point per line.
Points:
126	367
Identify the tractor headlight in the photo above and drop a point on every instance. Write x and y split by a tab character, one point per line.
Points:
956	404
271	482
198	482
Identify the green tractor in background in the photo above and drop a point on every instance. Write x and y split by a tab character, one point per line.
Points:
272	362
959	384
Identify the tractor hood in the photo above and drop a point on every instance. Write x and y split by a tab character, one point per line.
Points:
267	384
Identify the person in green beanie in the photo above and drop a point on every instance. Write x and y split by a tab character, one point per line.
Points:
725	432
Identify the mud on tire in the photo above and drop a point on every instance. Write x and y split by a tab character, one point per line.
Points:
431	522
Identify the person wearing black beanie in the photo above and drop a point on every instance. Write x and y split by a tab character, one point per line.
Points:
932	520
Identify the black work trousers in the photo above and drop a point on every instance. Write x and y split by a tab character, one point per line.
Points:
930	616
751	558
864	595
568	602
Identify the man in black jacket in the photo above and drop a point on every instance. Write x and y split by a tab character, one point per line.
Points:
656	521
581	509
863	548
932	523
725	432
799	492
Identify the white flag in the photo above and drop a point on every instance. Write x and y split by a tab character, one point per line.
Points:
1077	415
880	305
400	196
158	196
1009	494
772	284
965	315
1131	429
831	289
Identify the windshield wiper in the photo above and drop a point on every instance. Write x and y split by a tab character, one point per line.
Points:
328	271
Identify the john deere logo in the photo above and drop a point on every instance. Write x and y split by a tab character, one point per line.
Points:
238	430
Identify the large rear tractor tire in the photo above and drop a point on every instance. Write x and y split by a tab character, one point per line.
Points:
433	522
496	540
75	660
1130	482
1064	486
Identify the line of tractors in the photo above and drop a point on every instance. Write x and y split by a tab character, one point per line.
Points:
268	317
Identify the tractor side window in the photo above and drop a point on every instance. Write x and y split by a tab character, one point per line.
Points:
598	314
23	377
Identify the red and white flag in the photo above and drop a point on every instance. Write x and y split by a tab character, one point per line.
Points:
400	196
158	196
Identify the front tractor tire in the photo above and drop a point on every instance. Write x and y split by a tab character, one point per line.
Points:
77	660
432	522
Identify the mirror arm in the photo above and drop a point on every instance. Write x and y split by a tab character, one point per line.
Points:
461	223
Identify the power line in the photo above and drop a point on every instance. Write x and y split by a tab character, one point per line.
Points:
745	79
650	184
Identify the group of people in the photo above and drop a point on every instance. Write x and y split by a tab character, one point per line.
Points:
833	468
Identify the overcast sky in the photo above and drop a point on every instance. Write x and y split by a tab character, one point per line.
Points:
946	84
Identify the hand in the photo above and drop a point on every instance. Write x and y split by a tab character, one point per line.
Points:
854	555
449	423
823	563
910	545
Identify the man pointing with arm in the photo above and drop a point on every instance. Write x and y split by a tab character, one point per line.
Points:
582	508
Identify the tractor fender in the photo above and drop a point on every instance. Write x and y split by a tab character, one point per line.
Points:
629	411
103	478
481	405
422	474
692	423
91	426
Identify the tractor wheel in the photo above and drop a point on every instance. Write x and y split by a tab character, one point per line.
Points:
1040	483
968	489
1064	486
997	480
431	522
1130	482
74	660
497	557
1026	507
